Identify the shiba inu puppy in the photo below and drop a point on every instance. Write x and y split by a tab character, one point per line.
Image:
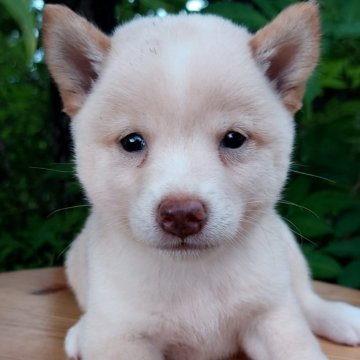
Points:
183	131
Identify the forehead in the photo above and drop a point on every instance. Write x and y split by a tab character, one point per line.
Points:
180	67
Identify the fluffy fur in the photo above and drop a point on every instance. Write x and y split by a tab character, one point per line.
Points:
183	82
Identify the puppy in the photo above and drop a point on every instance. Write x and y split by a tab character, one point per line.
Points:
183	130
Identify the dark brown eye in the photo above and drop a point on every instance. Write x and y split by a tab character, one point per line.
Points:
233	140
133	142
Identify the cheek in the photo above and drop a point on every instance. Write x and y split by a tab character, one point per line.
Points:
261	175
106	176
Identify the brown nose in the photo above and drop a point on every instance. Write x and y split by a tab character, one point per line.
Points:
181	217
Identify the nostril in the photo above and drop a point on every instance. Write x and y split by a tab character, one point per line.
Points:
181	217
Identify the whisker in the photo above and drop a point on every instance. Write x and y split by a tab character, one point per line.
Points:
298	164
48	169
299	206
62	252
62	163
298	232
314	176
255	222
68	208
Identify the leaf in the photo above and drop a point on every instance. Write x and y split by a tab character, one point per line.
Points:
327	202
351	30
313	89
322	266
344	249
267	7
348	223
294	193
21	12
350	276
308	225
242	14
353	72
332	73
297	189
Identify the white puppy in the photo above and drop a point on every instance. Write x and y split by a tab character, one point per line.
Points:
183	130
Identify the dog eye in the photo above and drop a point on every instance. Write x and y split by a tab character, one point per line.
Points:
233	140
133	142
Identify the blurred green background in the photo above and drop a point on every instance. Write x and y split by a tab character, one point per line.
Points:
41	204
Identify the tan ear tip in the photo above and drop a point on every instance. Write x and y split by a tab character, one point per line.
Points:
313	3
49	10
308	11
52	12
311	7
313	13
53	15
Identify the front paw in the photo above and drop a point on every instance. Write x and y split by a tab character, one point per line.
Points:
338	322
92	339
72	342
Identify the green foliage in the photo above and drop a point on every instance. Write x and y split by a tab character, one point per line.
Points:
20	10
29	236
321	200
238	13
328	145
126	10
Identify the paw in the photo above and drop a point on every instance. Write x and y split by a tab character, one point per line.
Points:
338	322
72	346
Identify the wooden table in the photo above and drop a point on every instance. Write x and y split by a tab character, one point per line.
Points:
36	309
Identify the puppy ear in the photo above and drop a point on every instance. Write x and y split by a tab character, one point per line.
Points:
75	51
287	50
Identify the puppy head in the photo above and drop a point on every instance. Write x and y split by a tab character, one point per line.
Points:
182	125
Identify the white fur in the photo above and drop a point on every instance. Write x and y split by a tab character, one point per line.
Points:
183	82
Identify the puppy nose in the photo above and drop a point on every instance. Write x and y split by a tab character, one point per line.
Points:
181	217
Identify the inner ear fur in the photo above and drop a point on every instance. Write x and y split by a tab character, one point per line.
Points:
287	50
74	51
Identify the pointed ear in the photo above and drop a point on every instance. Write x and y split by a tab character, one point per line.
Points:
75	51
287	50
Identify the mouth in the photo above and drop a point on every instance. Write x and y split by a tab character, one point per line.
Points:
185	246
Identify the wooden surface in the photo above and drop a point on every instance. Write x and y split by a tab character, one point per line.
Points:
36	309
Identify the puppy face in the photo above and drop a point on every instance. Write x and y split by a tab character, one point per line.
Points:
182	125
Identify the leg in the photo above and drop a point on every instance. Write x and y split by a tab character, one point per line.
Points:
72	341
94	340
281	334
76	268
335	321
